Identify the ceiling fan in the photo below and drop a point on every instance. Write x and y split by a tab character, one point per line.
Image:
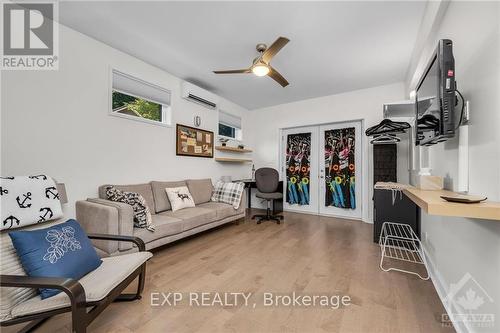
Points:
261	65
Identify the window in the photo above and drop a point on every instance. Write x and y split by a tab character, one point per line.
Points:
230	126
135	99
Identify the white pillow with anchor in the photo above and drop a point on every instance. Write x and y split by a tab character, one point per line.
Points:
28	200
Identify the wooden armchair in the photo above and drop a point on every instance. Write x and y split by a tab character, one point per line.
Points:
20	303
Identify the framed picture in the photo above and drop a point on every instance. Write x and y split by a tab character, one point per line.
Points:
191	141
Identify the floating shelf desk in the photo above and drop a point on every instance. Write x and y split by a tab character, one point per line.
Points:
233	149
433	204
232	160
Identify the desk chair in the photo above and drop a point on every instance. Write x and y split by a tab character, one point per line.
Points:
267	180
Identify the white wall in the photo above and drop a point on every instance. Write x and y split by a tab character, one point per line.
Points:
363	104
57	122
457	246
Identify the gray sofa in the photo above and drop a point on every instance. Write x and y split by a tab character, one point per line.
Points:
98	215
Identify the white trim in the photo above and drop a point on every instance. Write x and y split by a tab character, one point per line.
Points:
441	289
166	109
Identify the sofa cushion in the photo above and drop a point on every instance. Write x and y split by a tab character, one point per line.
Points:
142	189
223	209
160	196
62	250
201	189
97	284
164	226
193	217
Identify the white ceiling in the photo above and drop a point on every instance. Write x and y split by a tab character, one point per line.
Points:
335	46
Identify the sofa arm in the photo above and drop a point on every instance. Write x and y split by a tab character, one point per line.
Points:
106	217
136	240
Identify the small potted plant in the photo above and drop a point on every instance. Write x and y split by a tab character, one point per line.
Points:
223	141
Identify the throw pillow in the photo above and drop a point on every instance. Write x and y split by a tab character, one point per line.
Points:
229	193
142	214
179	197
63	250
28	200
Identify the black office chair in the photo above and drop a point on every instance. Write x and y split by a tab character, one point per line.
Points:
267	180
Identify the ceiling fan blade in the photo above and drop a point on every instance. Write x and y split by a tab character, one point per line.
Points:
275	47
234	71
276	76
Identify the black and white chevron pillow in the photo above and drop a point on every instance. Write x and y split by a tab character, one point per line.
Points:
142	214
28	200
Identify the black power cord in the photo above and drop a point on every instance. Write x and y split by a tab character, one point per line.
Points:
462	110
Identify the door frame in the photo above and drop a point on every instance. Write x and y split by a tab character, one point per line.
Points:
361	166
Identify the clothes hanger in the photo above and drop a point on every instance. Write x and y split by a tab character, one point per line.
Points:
384	139
388	126
427	121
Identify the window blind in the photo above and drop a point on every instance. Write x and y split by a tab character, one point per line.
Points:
139	88
229	119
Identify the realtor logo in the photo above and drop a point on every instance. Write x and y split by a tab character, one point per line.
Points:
29	36
469	303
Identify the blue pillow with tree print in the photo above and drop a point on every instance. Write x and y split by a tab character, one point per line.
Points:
62	250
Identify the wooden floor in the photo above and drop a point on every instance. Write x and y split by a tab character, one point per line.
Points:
307	254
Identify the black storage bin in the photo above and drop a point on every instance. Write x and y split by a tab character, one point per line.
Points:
403	211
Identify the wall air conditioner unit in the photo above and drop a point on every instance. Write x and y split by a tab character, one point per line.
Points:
198	95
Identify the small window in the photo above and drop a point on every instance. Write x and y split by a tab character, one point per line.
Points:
138	100
230	126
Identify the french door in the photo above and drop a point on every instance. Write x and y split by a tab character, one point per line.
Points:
321	166
300	173
340	169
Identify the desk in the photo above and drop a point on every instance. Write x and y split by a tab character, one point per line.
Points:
249	184
432	204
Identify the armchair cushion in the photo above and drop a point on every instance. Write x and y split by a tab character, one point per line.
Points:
97	284
62	250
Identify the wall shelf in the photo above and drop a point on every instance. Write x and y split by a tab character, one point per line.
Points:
433	204
233	149
232	160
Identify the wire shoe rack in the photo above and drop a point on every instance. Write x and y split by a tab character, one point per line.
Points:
399	242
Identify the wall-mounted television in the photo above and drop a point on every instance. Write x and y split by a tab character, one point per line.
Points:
435	97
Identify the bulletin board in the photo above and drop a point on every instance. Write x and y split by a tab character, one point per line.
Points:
191	141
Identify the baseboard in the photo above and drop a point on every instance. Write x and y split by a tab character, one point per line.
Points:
440	286
325	215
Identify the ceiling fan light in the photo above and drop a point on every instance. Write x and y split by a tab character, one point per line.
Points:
260	70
